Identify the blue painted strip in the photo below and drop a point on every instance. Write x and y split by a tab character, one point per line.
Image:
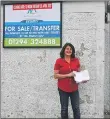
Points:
32	22
31	36
31	28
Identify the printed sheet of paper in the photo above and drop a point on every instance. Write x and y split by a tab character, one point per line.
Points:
81	76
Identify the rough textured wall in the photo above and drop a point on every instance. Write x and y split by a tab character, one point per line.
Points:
107	71
27	84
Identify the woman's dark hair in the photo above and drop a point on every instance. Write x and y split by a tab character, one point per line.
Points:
63	50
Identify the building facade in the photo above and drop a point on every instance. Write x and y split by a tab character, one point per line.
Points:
28	88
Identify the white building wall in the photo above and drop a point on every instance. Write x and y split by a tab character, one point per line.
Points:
107	70
28	88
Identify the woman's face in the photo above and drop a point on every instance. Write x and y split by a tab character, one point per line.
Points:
68	51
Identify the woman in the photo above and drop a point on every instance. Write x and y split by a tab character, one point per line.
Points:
67	87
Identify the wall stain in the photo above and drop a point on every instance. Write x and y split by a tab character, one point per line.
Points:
92	53
82	47
44	54
81	101
42	58
80	53
8	115
88	100
19	63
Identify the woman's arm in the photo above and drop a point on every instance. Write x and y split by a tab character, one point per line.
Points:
61	76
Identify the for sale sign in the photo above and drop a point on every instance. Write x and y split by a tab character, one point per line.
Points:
33	25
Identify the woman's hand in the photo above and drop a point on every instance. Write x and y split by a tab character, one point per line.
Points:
71	74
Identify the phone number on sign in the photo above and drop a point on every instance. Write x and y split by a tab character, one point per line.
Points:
32	41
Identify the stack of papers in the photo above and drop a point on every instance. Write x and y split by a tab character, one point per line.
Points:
81	76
